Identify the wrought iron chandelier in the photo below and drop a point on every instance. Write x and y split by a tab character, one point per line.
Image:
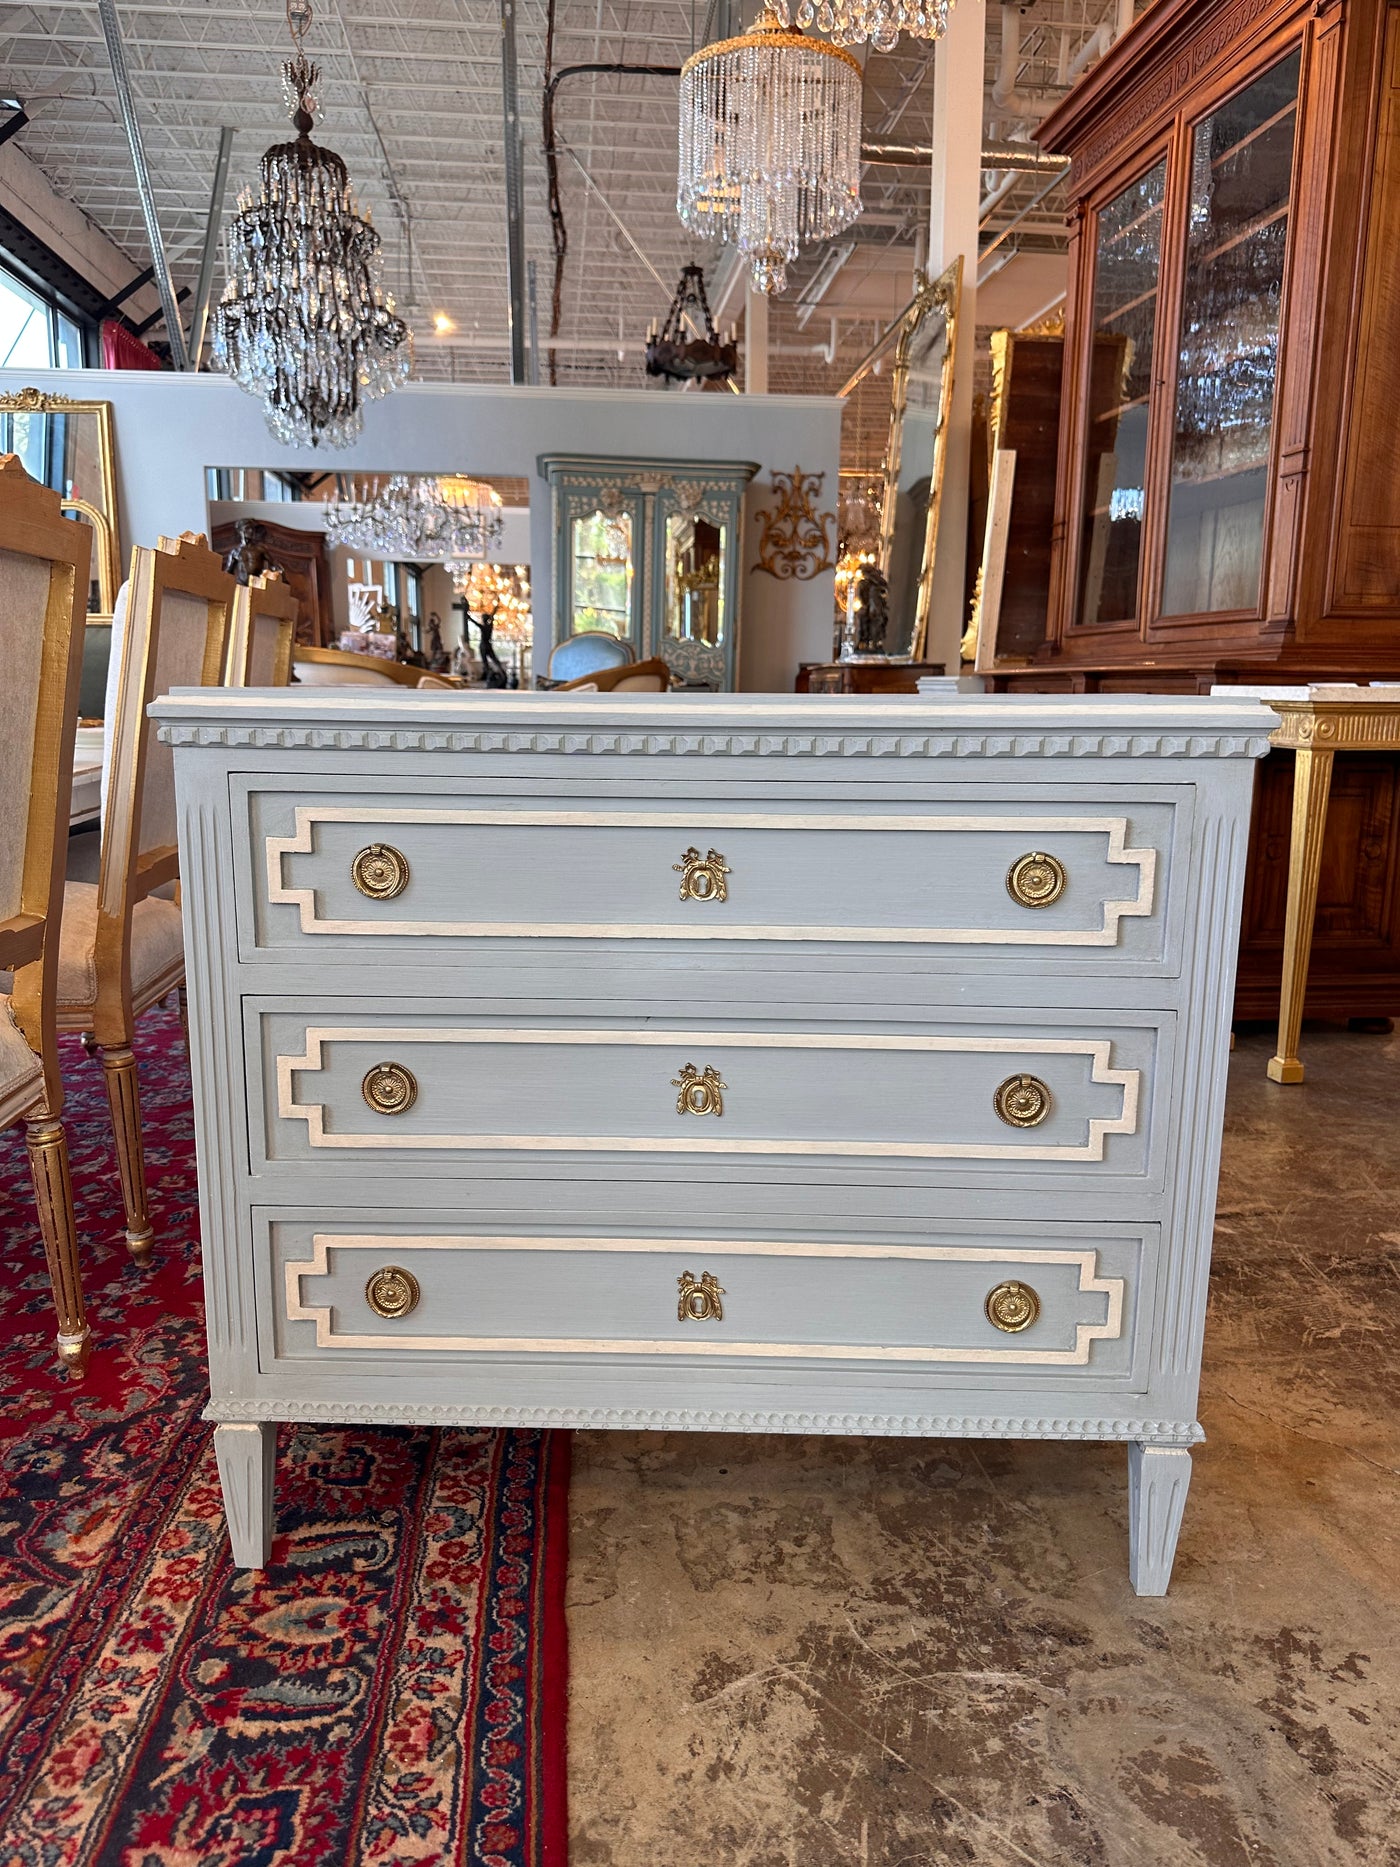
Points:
769	144
419	519
304	321
880	22
705	356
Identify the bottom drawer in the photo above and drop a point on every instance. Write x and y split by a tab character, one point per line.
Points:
398	1292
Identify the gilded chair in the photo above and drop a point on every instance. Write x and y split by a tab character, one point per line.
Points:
638	677
261	628
122	949
44	562
339	667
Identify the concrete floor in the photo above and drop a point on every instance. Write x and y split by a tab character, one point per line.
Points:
802	1652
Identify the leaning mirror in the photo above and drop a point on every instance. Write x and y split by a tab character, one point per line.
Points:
67	445
910	479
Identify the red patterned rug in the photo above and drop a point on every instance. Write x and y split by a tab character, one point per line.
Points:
390	1691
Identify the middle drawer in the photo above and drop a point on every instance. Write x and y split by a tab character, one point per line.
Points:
361	1089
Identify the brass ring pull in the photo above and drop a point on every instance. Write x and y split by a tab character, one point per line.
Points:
380	871
702	877
1012	1307
1022	1101
700	1298
390	1089
700	1094
1036	880
392	1292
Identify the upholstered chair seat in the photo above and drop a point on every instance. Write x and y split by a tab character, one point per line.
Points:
157	953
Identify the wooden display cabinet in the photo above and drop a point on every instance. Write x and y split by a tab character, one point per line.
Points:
1228	486
1228	489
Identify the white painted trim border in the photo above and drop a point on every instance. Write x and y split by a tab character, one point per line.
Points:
1086	1262
306	816
1098	1049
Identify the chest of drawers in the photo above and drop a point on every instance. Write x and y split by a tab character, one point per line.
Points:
812	1065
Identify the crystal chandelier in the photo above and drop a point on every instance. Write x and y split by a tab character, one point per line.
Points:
769	144
304	322
704	356
419	519
852	22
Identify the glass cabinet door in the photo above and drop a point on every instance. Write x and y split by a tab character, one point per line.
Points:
603	570
1236	241
694	581
1127	265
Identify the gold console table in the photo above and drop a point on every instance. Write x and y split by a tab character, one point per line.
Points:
1328	721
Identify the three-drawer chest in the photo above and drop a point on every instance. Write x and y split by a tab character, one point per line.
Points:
819	1065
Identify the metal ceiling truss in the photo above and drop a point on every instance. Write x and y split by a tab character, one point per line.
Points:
414	97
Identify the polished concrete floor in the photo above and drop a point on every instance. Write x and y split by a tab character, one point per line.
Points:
809	1653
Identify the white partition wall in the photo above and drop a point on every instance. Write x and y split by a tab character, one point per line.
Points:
170	427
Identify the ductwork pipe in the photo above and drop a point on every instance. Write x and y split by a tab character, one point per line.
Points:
1024	157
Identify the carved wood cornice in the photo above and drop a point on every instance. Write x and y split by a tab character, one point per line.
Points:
1144	74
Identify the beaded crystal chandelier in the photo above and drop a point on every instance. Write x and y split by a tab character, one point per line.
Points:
419	519
304	322
769	144
853	22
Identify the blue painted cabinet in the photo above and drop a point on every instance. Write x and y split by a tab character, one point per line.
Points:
648	550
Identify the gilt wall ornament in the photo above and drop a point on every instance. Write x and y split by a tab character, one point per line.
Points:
795	540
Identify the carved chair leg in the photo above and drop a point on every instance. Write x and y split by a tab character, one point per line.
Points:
124	1101
183	998
53	1197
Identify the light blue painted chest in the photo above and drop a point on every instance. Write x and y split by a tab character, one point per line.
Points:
812	1065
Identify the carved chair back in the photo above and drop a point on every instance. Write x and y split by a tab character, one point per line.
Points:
179	604
44	566
261	630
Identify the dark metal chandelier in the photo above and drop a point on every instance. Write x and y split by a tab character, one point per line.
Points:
304	322
703	356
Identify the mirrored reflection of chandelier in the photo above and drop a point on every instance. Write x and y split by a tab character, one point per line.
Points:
853	22
304	322
419	518
769	145
500	592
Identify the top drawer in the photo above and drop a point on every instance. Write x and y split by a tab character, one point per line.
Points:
987	876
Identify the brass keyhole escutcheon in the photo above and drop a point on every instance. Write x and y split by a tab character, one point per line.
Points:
1012	1307
700	1298
1022	1101
1036	880
701	1093
392	1292
702	877
390	1089
380	871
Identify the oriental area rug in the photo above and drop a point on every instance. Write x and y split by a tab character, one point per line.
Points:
390	1691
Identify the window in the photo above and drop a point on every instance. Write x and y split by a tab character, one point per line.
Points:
35	334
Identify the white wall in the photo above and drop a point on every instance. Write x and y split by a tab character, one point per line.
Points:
170	427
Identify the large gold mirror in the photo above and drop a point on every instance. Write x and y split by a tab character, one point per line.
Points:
909	484
67	445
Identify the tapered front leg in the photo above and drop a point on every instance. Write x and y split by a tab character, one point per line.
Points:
1312	782
1158	1480
53	1200
124	1102
247	1458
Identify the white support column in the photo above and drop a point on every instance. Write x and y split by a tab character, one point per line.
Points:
959	79
756	343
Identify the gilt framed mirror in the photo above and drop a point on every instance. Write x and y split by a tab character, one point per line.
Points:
67	444
910	478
